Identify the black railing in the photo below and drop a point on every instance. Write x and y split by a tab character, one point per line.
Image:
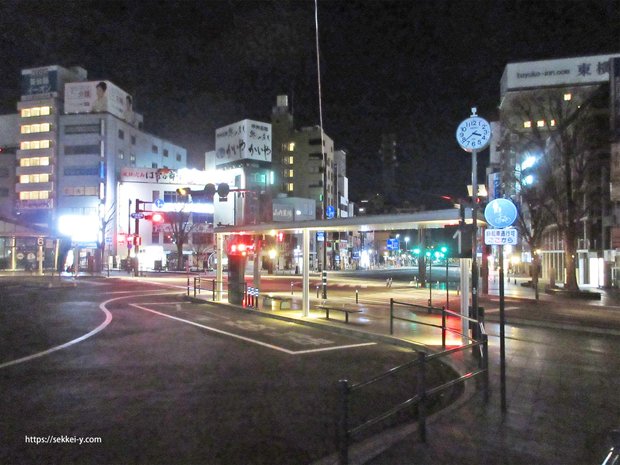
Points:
198	286
347	431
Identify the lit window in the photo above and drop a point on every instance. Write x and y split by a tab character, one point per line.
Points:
35	111
290	187
568	97
527	124
30	128
24	179
540	123
34	195
291	160
290	173
291	146
552	123
24	162
34	144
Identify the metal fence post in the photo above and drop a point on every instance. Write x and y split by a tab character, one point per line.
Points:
357	296
422	396
188	285
443	328
213	282
343	424
485	366
391	316
194	286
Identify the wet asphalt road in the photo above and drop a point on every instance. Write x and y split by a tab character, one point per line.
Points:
114	372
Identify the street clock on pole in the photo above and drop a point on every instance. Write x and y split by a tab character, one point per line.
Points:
474	133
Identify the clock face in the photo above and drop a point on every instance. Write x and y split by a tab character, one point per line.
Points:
474	134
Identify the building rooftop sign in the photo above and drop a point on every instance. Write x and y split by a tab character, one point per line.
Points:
560	72
188	176
245	139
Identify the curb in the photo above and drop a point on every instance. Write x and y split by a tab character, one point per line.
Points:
322	325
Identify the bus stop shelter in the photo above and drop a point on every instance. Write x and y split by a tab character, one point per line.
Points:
392	222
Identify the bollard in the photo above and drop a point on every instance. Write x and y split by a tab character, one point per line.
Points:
291	287
317	292
357	296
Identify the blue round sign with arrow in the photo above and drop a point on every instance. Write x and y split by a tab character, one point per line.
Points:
331	212
500	213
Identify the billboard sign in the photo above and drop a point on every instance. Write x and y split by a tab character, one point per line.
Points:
97	97
38	81
565	71
246	139
283	212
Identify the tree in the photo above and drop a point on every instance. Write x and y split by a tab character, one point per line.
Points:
180	227
107	222
566	135
532	217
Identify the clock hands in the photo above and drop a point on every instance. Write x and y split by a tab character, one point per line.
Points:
475	133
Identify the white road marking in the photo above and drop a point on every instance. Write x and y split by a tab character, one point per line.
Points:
106	322
247	339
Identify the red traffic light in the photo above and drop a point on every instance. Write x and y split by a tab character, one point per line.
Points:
157	217
240	245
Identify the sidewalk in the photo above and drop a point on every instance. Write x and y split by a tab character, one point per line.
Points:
560	406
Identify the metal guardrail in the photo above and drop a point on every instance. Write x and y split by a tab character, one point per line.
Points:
423	392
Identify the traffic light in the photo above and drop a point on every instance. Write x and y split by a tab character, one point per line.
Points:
184	191
137	240
240	245
155	217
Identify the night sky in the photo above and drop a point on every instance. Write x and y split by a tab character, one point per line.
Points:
409	67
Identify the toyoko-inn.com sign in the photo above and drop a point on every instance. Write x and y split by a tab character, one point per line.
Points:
580	70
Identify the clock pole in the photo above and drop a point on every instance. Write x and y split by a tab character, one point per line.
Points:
474	135
474	252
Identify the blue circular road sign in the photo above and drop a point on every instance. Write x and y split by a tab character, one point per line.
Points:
500	213
331	212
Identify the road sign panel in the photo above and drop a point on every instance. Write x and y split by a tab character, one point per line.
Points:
500	213
331	212
392	244
137	215
502	236
159	203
